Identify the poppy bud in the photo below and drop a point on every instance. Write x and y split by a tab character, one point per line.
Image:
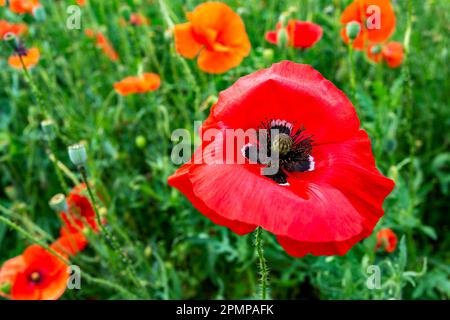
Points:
77	154
375	49
148	251
39	14
268	54
48	127
58	203
353	29
11	192
141	142
282	38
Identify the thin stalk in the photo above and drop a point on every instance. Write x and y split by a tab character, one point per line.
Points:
111	240
262	264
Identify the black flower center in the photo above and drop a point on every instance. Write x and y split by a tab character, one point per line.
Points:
35	277
283	148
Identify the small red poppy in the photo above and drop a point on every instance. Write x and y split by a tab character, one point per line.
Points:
327	194
391	53
386	239
70	243
300	34
34	275
81	213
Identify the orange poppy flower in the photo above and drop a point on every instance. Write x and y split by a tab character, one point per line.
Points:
377	20
70	243
300	34
386	239
2	3
391	53
81	2
29	60
14	28
103	43
23	6
138	84
216	34
34	275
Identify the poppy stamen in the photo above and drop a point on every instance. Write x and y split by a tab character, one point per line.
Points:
35	277
292	147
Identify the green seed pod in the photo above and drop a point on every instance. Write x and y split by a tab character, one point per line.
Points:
39	14
48	127
281	143
353	29
58	203
77	154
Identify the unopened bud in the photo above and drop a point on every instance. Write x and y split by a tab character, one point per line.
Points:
141	142
39	14
77	154
148	251
282	38
375	49
268	54
353	29
48	127
58	203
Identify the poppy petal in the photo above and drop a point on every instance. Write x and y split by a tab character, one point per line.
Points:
292	92
185	43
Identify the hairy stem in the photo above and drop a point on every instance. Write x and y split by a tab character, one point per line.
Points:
262	264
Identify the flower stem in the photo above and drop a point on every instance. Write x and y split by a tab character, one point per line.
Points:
352	76
262	264
111	240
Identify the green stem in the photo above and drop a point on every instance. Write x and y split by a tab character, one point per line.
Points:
34	88
110	239
262	264
352	76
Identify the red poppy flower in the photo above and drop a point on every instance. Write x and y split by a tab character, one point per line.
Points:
81	213
216	34
300	34
14	28
327	194
70	243
103	43
374	28
8	273
391	52
23	6
35	275
386	239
